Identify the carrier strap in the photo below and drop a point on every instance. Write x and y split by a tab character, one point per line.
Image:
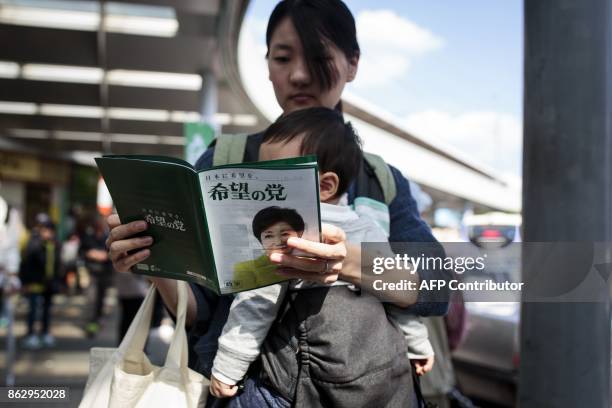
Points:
384	176
229	149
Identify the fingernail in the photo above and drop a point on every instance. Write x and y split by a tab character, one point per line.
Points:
147	240
142	225
144	254
276	257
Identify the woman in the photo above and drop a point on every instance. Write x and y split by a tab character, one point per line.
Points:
312	54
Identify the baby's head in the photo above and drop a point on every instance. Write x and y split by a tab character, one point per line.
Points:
321	132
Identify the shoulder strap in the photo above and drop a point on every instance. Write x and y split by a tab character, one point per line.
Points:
229	149
384	176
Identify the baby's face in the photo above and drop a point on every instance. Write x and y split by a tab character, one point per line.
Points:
281	150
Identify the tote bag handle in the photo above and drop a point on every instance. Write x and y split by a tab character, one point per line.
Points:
178	351
136	337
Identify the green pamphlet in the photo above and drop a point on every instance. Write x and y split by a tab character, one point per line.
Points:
202	223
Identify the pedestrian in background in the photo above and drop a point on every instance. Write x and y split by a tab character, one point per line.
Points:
40	275
70	258
93	251
131	291
10	231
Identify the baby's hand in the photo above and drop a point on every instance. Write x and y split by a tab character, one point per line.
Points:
423	365
221	390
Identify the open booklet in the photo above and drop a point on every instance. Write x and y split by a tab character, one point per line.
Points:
215	227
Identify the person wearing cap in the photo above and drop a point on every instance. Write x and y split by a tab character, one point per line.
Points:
39	273
93	251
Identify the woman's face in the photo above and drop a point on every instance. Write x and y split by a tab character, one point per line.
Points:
274	238
293	85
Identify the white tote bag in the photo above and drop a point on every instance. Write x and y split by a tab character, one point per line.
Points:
124	377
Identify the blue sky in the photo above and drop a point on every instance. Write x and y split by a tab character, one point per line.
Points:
447	69
479	66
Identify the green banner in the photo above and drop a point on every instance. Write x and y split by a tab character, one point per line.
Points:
198	136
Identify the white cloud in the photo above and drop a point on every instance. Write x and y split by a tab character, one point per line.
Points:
389	44
386	28
494	138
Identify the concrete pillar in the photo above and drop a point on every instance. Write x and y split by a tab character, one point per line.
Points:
567	193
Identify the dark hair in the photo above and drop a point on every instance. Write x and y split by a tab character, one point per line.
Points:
271	215
43	220
326	135
318	22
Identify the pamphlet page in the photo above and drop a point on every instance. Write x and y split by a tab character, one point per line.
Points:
251	213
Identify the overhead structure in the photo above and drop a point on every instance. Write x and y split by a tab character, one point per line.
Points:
452	178
78	75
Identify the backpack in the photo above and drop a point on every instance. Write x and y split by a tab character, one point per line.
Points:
375	186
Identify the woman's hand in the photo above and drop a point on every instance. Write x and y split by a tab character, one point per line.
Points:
120	241
322	262
335	259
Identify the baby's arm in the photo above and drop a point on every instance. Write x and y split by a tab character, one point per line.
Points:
250	317
420	350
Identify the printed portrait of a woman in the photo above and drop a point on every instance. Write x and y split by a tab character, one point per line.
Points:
272	227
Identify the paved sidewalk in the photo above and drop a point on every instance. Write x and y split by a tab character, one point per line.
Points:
67	363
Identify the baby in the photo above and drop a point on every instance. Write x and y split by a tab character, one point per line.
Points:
322	132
